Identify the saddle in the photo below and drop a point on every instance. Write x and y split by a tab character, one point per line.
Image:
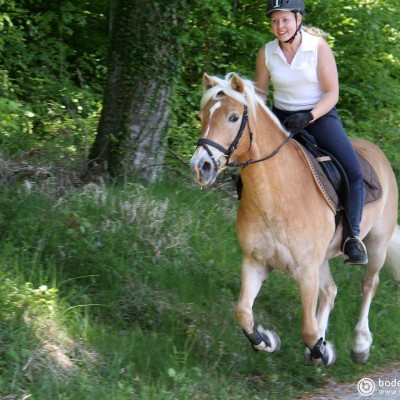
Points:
331	178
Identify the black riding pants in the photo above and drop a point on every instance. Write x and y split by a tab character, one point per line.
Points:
330	135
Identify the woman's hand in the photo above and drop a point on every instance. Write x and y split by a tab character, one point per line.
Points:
298	121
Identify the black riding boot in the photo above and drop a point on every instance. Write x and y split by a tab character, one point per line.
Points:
354	251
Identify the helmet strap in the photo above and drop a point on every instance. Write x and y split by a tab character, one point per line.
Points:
291	40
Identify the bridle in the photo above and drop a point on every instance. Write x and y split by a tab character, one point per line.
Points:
205	143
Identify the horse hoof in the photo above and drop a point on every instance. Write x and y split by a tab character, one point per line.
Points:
273	338
329	357
360	358
275	341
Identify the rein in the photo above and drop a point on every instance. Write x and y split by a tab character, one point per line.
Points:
229	151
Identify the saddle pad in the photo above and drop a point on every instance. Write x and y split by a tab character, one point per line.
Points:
372	184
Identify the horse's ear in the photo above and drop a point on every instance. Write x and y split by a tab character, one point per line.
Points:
208	82
237	83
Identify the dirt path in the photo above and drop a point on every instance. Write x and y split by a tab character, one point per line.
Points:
385	380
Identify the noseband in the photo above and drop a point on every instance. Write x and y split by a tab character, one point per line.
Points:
205	143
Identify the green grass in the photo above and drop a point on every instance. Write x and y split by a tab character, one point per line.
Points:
128	292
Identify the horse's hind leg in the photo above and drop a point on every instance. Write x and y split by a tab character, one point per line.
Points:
363	338
253	275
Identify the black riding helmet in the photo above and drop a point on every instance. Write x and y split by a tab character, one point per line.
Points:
285	5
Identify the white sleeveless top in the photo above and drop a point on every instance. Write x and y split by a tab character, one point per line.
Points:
296	85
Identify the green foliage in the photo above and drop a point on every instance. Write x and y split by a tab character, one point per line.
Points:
368	62
50	88
128	292
53	56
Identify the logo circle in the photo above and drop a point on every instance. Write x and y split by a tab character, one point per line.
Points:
366	387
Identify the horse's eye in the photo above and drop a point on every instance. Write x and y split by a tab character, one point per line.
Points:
233	118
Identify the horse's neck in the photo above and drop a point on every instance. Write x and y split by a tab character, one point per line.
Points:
270	180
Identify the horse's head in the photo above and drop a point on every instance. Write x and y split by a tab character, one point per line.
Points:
224	122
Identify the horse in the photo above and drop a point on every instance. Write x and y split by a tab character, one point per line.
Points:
283	220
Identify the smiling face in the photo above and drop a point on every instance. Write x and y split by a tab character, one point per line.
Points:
284	24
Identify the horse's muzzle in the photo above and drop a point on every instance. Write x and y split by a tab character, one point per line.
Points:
203	169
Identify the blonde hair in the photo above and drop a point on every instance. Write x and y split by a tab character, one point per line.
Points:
312	30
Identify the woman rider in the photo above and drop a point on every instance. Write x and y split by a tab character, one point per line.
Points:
302	70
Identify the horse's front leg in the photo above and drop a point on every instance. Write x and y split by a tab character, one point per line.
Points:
326	298
253	276
313	329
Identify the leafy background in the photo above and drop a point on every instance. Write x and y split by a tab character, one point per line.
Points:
126	290
53	58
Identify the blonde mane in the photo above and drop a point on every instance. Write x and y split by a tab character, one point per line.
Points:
249	98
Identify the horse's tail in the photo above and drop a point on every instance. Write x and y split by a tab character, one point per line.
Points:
393	254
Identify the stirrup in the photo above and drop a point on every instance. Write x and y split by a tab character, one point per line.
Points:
347	259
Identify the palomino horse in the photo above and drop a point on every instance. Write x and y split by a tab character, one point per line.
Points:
283	221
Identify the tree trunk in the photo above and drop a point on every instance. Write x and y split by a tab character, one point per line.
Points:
149	120
136	110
